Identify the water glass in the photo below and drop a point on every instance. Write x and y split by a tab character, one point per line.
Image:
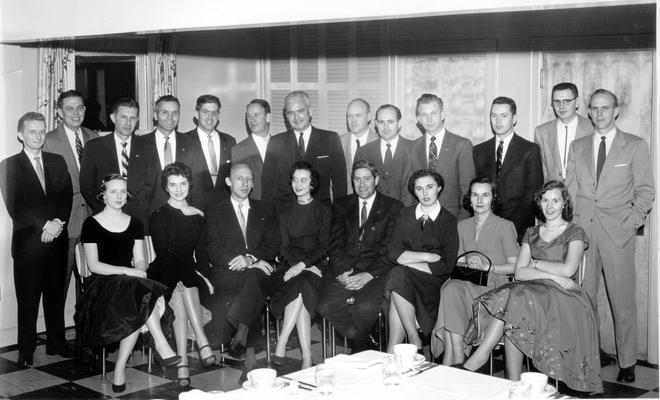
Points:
325	379
391	371
520	391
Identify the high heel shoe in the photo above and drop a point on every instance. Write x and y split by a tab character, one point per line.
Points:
118	388
183	382
208	361
169	361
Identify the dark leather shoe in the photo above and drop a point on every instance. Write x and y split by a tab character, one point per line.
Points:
62	351
606	359
626	375
25	361
236	351
277	360
118	388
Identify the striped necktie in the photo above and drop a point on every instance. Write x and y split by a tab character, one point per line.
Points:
124	159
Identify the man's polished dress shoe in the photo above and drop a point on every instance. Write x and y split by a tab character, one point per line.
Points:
626	375
62	350
25	361
236	350
606	359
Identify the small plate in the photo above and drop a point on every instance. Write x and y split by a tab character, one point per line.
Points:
279	384
549	391
417	359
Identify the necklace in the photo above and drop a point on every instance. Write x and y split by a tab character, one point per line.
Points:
549	229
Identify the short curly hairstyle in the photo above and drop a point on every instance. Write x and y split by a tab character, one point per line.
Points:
177	168
104	183
496	203
567	210
422	173
315	183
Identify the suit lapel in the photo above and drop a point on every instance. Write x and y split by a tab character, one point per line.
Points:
554	146
65	147
588	155
419	152
30	174
512	153
313	148
617	147
374	215
353	215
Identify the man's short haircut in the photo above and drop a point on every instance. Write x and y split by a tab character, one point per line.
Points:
201	100
506	100
125	102
29	116
235	166
565	86
364	164
263	103
427	98
604	91
360	100
167	98
66	95
393	107
298	94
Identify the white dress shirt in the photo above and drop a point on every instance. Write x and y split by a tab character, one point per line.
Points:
204	140
71	137
435	211
118	148
609	138
362	137
160	146
439	137
306	134
262	144
383	146
564	142
370	203
505	145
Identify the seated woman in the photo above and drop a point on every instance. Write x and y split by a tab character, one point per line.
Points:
424	244
491	235
295	285
176	231
118	300
545	315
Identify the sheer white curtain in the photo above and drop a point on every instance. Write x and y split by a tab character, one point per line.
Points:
56	75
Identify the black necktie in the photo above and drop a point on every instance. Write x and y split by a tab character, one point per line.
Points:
388	158
433	153
600	161
79	146
363	214
357	143
498	162
301	144
425	218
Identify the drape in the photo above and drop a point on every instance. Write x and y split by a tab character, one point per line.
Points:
56	75
156	75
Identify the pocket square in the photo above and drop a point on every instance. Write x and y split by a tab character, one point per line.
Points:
326	156
620	165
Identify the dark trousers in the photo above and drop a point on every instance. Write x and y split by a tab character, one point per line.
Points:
353	321
35	274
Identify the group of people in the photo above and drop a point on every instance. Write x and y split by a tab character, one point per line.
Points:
344	226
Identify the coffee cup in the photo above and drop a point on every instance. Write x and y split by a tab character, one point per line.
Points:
262	378
536	381
405	354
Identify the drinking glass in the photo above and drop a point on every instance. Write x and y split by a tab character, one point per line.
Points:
391	371
325	379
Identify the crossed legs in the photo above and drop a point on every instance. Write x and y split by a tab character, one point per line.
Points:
402	322
295	314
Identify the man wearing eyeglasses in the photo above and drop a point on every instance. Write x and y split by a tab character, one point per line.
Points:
555	137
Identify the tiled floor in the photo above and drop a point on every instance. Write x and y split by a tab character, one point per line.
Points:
53	377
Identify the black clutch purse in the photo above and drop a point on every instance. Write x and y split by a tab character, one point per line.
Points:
463	272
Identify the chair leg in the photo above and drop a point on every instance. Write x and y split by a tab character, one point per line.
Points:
324	339
222	356
333	345
149	359
267	333
381	330
103	370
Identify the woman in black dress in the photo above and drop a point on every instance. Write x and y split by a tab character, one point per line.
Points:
295	285
176	232
118	300
425	244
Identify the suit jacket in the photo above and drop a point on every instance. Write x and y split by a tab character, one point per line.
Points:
361	249
58	143
264	172
623	196
323	152
203	190
346	140
29	207
456	166
224	239
392	182
520	177
545	135
99	158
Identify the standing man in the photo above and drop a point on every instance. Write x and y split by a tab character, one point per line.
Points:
242	238
69	140
257	151
358	118
610	180
321	148
361	226
391	155
513	162
555	137
118	153
36	187
447	153
209	175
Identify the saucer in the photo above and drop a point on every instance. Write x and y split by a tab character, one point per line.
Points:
417	359
279	384
549	391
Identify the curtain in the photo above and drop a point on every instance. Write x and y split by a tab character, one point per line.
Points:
56	75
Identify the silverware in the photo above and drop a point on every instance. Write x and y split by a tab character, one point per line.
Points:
422	369
302	385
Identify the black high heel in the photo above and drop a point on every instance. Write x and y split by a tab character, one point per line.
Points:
118	388
208	361
169	361
183	382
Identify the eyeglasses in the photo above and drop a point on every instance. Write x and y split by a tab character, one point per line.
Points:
564	102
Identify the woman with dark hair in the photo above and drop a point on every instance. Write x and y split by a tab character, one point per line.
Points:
491	235
545	315
424	244
118	300
295	285
176	231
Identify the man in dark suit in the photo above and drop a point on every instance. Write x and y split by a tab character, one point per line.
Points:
610	179
361	225
391	155
209	171
68	140
358	118
514	163
36	187
257	151
116	153
449	154
318	147
242	241
555	137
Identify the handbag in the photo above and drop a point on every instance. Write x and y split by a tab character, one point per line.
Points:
462	272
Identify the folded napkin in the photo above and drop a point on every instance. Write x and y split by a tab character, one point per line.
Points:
361	360
197	394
